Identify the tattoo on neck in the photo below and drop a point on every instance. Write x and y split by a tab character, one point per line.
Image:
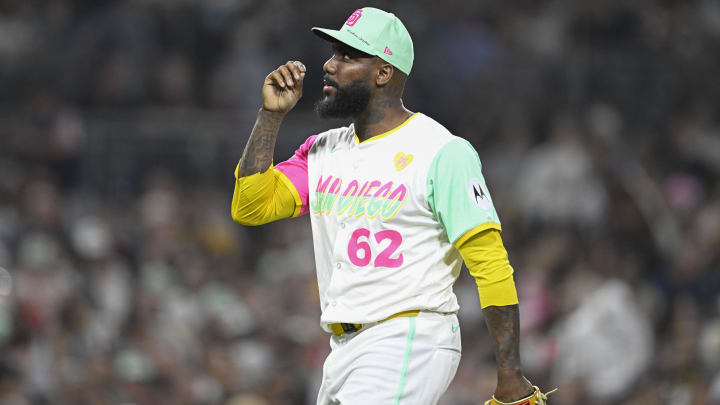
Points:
375	116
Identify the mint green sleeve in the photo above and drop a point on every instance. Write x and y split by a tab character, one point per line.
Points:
457	193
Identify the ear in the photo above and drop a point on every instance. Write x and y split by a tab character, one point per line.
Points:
385	74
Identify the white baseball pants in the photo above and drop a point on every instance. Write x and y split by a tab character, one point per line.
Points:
405	360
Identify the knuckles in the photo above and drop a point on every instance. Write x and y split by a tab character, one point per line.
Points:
292	66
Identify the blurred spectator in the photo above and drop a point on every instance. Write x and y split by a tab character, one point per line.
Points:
557	182
606	340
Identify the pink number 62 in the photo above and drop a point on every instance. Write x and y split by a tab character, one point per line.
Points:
384	259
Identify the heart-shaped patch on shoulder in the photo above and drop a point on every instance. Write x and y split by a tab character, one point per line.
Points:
402	160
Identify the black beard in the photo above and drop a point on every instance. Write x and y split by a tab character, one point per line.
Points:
349	101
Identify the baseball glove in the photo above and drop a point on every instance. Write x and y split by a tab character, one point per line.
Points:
536	398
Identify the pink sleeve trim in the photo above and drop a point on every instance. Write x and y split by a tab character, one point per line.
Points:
296	169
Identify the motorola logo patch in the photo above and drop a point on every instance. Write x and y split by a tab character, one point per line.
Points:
479	195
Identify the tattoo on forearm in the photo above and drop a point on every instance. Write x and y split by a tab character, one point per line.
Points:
504	326
258	153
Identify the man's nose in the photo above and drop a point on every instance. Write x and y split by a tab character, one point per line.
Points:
330	66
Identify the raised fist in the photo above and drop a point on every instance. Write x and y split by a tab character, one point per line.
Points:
283	87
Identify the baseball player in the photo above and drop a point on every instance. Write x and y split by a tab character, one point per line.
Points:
396	204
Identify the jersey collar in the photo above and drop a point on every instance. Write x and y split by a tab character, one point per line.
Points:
384	134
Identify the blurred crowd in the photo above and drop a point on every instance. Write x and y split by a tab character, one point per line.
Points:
123	279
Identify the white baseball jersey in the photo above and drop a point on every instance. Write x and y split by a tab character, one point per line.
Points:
385	214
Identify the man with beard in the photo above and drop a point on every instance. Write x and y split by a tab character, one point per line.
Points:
396	203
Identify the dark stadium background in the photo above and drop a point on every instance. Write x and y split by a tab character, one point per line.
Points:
123	279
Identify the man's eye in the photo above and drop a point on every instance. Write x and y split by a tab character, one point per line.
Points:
345	55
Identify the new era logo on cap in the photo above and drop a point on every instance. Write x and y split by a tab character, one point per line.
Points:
387	51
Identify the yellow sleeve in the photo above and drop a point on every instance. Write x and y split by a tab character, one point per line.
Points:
487	260
264	197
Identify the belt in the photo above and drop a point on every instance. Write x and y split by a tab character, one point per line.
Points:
339	329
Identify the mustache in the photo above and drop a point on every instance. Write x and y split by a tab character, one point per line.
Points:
329	82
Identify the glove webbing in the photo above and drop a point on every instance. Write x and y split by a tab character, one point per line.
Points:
530	400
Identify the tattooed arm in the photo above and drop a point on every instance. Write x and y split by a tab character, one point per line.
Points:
258	153
503	322
281	91
263	195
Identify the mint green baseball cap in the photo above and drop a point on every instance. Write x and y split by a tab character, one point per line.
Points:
375	32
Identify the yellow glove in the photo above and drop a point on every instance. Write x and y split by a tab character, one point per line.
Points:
536	398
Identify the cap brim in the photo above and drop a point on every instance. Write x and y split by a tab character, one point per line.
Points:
343	37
